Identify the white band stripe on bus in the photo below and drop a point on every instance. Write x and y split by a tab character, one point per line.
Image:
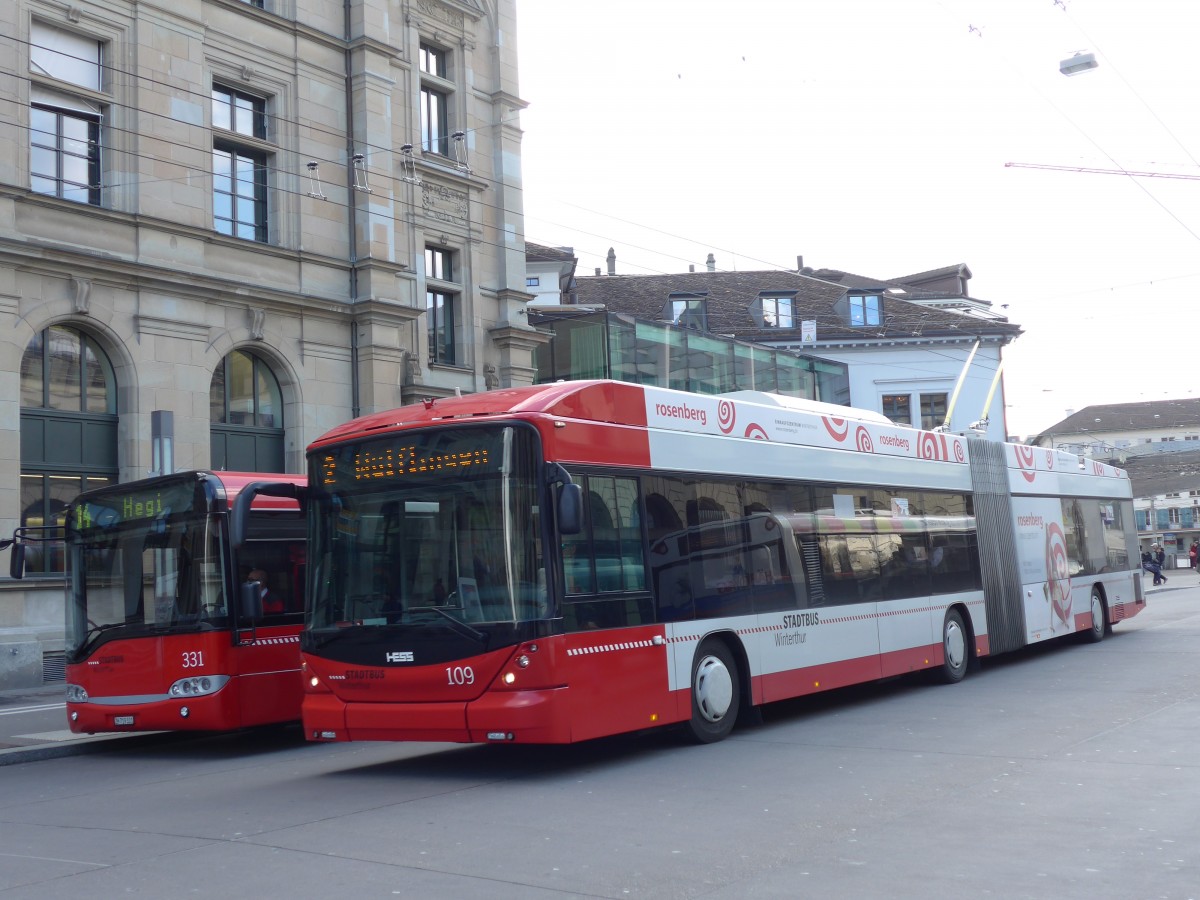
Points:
779	626
290	639
609	648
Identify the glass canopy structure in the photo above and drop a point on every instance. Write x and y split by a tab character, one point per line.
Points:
618	346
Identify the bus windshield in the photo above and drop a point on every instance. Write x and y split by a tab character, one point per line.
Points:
148	562
436	527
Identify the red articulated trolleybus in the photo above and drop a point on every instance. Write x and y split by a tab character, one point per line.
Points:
165	628
556	563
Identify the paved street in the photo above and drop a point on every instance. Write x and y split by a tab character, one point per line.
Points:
1060	772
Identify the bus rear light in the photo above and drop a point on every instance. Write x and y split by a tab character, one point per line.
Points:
184	712
499	735
523	661
198	686
76	694
509	678
325	735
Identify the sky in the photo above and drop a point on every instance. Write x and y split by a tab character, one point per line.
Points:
877	137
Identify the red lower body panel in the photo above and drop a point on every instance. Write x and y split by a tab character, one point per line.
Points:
519	716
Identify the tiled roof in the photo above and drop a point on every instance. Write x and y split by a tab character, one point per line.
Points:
936	284
1140	416
1164	473
731	295
540	253
944	274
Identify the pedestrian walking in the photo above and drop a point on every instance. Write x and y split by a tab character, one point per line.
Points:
1149	565
1192	553
1160	557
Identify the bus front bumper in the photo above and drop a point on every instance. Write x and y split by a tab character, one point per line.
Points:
519	717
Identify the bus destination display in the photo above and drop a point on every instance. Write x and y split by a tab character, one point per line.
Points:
121	506
381	461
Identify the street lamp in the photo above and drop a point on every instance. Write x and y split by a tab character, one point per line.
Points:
1080	62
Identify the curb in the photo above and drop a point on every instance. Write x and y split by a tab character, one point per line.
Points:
98	743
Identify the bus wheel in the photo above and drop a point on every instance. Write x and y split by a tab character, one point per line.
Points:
1095	634
715	693
954	648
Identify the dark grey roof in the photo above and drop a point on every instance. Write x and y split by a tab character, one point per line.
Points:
1140	416
1163	473
947	283
945	278
731	295
542	253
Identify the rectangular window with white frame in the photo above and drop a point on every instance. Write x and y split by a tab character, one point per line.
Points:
777	310
689	311
241	161
443	295
865	310
898	408
66	113
933	410
437	90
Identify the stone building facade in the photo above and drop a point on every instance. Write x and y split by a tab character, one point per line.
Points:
263	217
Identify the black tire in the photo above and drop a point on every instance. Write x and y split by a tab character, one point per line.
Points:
956	648
716	693
1099	617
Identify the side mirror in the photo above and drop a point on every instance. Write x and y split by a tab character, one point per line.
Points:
16	562
570	509
240	514
251	601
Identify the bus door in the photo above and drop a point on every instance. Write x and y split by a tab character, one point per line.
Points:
266	646
845	610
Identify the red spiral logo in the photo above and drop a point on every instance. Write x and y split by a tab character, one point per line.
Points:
862	440
756	432
960	454
1058	572
725	416
837	428
1050	460
1025	461
1097	468
927	446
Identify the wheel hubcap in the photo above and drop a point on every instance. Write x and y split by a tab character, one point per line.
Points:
956	645
714	689
1097	614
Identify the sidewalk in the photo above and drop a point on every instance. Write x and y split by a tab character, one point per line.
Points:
44	705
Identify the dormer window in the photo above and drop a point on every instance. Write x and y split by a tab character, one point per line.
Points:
865	310
688	311
777	310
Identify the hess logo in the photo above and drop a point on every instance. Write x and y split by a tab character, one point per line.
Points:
398	656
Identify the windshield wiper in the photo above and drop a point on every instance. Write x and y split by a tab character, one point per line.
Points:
460	626
96	630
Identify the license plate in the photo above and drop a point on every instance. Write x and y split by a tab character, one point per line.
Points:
122	720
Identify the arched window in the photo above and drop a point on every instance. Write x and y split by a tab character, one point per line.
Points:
246	415
68	430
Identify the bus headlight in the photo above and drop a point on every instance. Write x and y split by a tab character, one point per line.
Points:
76	694
198	685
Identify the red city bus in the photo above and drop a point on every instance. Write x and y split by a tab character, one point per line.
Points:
164	629
556	563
